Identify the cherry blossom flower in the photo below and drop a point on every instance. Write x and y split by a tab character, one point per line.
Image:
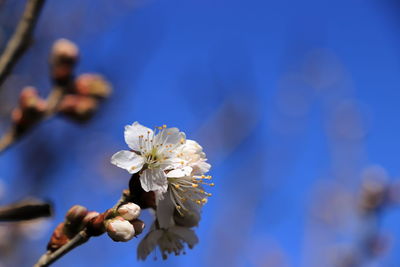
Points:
188	189
151	154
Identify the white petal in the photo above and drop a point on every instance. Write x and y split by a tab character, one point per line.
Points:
193	145
201	167
170	136
181	172
153	180
133	132
187	234
128	160
165	211
172	163
148	243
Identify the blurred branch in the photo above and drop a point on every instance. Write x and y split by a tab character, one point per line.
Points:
13	134
25	210
21	39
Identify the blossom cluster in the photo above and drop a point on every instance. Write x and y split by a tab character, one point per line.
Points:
174	168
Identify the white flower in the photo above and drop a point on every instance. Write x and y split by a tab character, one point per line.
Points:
171	240
120	229
187	180
129	211
192	155
152	152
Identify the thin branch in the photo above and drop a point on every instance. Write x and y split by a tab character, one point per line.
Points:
81	238
25	210
11	136
21	38
50	257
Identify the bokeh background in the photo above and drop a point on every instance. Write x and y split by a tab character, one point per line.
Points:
296	104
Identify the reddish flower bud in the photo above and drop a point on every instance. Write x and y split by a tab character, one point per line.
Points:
95	226
76	214
74	220
58	238
91	84
79	108
138	225
63	58
89	217
31	109
65	49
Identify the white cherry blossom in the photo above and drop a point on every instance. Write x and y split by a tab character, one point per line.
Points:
152	154
186	182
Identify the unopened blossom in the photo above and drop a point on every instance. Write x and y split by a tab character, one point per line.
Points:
151	154
120	229
129	211
171	240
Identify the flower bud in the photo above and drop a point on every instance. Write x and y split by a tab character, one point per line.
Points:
119	229
31	109
95	226
79	108
138	225
90	216
91	84
74	219
63	48
129	211
58	238
63	58
76	214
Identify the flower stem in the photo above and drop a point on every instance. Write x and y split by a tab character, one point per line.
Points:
50	257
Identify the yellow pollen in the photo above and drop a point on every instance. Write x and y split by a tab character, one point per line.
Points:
198	202
212	184
178	207
177	185
169	133
204	200
195	185
164	126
